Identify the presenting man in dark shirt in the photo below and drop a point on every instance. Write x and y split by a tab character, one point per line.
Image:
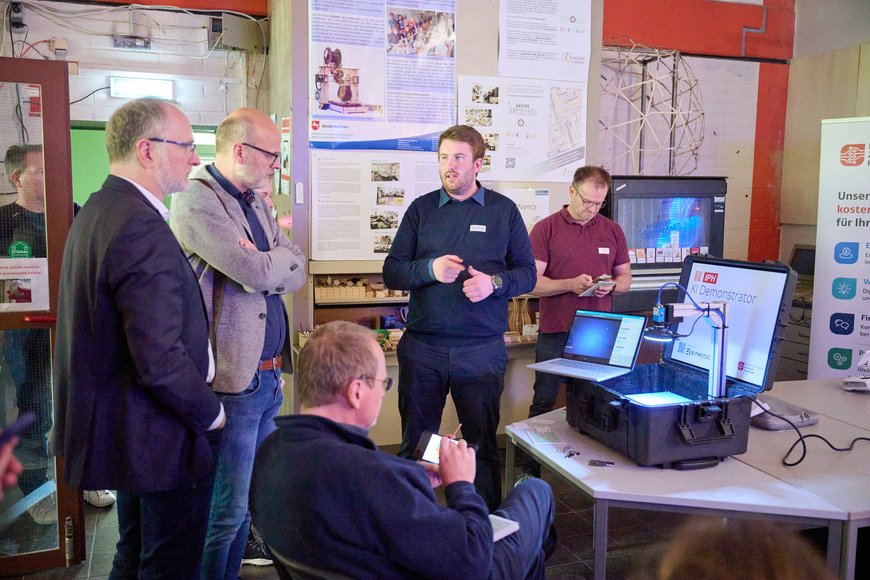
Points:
462	251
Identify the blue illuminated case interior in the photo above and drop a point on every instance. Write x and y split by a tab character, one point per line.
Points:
699	431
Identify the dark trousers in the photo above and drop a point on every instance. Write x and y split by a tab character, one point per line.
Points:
522	554
546	389
162	534
474	377
28	355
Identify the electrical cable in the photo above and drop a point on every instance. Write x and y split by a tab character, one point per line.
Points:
89	94
32	46
801	440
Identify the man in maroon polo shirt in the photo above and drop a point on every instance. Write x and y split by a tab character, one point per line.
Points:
572	248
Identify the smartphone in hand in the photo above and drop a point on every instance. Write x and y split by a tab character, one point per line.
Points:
429	447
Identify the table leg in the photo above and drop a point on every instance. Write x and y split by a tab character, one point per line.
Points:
599	538
835	545
849	550
509	466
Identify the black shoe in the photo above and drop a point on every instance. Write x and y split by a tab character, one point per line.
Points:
255	551
550	543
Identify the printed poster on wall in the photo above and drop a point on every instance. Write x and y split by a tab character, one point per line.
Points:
286	151
23	284
381	73
840	332
534	130
534	204
359	198
545	39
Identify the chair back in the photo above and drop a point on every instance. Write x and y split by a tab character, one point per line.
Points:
292	570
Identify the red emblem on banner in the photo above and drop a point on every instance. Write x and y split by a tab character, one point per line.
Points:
315	124
853	154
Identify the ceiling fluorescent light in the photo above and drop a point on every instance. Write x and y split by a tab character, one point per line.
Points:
131	88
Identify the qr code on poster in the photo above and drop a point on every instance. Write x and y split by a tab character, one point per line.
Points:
510	163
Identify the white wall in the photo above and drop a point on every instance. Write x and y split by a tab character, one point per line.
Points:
730	91
206	87
728	94
823	25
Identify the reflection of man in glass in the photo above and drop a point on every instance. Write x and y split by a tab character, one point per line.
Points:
22	225
24	219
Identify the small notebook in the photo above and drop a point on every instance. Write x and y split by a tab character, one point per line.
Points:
502	527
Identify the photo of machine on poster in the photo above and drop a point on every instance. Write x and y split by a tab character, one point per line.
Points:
337	87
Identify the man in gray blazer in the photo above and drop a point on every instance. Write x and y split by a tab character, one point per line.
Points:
244	265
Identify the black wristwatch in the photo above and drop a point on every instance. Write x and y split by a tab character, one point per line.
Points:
497	282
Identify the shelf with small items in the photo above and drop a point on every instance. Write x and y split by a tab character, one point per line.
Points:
351	290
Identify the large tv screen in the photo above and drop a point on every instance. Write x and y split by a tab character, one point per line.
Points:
667	219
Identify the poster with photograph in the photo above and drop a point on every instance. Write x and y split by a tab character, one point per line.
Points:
533	130
286	149
545	39
23	284
360	197
381	73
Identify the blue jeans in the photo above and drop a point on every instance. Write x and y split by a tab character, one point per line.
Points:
521	554
162	534
550	345
474	376
250	418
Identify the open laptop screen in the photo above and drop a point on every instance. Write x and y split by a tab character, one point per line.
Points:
604	338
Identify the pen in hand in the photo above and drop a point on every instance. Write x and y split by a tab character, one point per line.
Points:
456	431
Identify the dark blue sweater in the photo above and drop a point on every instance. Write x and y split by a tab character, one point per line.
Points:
323	495
490	237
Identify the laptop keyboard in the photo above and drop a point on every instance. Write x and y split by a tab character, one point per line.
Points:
582	365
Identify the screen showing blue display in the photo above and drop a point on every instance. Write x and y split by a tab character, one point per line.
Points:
671	222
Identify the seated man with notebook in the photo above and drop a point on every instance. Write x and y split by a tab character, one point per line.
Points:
323	496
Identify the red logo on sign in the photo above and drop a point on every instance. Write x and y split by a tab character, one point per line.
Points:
710	277
853	154
315	124
740	366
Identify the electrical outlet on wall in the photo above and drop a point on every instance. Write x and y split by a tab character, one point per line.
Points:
215	29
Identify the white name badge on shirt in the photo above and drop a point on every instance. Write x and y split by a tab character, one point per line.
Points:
603	250
474	228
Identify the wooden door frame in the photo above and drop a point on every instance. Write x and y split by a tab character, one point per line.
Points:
52	77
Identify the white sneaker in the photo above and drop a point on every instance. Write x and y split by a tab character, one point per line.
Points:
99	497
45	512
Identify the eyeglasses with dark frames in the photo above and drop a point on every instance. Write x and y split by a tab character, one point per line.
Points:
589	203
274	156
388	382
189	145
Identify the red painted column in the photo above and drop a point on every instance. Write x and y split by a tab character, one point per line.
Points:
764	224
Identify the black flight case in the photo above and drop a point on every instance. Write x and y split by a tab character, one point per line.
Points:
701	430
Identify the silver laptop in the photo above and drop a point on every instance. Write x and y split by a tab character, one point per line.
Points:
600	346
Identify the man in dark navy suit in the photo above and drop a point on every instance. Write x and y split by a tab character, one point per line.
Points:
134	409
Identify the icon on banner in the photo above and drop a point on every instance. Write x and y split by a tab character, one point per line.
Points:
846	252
842	323
852	154
840	358
844	288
